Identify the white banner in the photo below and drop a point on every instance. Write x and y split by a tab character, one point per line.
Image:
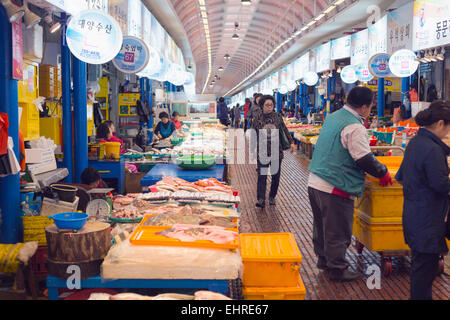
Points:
323	58
360	47
378	37
341	48
400	28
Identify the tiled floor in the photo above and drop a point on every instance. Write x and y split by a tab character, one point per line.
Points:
293	214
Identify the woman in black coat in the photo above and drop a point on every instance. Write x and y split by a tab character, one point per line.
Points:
424	174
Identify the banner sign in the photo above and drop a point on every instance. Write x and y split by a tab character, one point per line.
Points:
17	50
341	48
348	74
323	57
400	31
403	63
360	47
378	37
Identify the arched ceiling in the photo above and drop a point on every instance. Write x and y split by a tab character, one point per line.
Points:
262	27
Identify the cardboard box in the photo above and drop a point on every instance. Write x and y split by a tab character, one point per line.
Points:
39	155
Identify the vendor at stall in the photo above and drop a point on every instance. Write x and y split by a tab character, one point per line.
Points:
424	175
92	179
106	133
338	169
176	120
165	128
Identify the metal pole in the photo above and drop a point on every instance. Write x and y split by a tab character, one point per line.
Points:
9	104
80	117
149	90
405	88
381	101
66	104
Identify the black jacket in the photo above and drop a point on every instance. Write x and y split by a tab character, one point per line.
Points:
424	175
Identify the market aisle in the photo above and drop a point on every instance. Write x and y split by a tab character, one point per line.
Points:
293	214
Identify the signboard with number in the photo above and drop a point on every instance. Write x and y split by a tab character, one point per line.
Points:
379	65
403	63
431	24
362	72
378	37
341	48
400	28
348	74
94	37
360	47
323	57
133	56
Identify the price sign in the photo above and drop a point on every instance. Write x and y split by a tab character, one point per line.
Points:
348	74
403	63
94	37
362	72
379	65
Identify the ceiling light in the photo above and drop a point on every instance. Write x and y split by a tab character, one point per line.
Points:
235	36
338	2
330	8
14	12
220	69
311	23
30	17
441	56
227	57
320	16
246	2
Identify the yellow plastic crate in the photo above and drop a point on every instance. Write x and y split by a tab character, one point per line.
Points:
379	202
34	229
356	226
297	292
49	128
29	122
270	259
381	234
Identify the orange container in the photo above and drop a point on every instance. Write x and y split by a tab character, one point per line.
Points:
270	259
147	235
297	292
392	163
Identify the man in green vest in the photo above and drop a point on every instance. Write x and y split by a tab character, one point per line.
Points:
338	169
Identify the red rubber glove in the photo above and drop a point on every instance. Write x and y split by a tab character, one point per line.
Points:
386	180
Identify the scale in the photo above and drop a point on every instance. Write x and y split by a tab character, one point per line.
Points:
101	206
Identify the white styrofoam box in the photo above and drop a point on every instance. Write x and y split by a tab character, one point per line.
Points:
416	107
33	42
39	168
38	155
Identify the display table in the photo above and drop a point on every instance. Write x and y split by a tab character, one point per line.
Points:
172	170
111	170
220	286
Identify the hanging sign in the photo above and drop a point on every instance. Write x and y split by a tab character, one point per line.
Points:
431	24
348	74
74	7
403	63
292	85
119	10
311	78
400	23
378	37
283	89
133	56
362	72
312	60
360	47
302	66
134	22
379	65
323	58
94	37
188	78
17	50
341	48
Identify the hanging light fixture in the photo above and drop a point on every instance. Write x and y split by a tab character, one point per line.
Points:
441	56
220	69
246	2
50	21
30	17
227	57
13	11
235	35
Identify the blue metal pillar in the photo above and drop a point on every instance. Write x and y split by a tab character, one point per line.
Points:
405	89
329	91
149	91
279	101
66	104
80	117
9	104
381	101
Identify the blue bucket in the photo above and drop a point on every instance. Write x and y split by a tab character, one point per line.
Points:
70	220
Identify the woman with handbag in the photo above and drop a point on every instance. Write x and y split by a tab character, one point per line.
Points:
272	139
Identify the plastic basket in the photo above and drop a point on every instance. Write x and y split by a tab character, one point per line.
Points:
297	292
34	229
39	261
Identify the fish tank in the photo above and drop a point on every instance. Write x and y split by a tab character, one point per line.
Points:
202	110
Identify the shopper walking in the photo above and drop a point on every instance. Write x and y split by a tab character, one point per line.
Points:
265	122
255	108
237	116
222	111
232	115
337	172
424	175
247	106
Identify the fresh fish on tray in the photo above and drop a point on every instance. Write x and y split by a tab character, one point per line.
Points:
191	233
128	213
227	198
155	196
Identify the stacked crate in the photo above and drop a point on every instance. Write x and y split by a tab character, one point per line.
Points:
50	81
378	213
271	267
